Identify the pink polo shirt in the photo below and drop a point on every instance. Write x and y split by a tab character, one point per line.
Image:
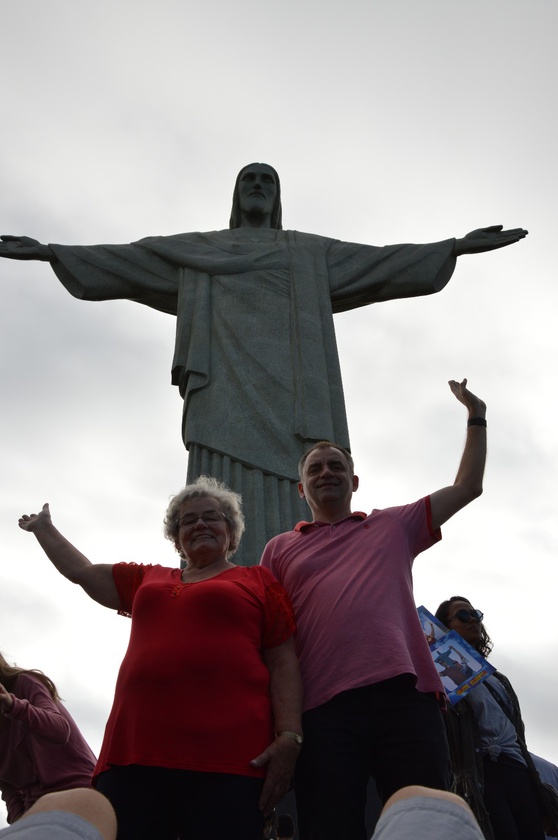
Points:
351	587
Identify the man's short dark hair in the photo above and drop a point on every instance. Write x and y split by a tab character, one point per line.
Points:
325	444
284	826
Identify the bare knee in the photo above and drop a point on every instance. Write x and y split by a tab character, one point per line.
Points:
86	803
417	790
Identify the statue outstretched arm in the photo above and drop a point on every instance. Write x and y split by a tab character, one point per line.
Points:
24	248
487	239
467	486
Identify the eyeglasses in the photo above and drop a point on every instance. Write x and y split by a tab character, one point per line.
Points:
209	518
467	615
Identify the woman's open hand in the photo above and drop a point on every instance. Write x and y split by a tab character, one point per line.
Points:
34	521
6	699
280	757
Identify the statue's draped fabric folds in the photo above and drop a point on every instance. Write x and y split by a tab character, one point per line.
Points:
255	356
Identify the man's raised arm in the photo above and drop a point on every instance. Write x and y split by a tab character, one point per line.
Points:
468	481
24	248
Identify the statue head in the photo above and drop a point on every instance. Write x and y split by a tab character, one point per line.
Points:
276	213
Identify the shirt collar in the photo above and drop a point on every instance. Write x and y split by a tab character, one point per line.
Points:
358	515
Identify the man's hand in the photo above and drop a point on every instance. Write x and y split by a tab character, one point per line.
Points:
24	248
467	486
475	406
487	239
35	521
280	758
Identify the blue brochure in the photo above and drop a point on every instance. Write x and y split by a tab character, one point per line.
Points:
459	665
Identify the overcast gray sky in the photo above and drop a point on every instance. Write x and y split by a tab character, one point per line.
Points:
388	121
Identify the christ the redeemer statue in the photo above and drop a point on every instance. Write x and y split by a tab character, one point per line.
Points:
255	356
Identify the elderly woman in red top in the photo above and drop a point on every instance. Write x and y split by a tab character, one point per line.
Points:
41	748
205	728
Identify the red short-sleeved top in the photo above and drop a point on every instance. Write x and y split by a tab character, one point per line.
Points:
193	690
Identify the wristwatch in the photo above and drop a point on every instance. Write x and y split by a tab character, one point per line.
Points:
294	736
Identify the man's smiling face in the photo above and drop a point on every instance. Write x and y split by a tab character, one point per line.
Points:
328	481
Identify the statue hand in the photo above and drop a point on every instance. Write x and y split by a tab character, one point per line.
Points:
487	239
24	248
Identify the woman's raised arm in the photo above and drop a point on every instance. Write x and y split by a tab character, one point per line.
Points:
95	578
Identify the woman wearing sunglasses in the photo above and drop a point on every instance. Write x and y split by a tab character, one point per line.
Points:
492	768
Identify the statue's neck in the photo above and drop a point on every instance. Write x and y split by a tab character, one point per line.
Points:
264	234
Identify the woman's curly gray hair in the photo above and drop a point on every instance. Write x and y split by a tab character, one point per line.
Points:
205	485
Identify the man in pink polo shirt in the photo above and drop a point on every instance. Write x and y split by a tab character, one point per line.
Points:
372	692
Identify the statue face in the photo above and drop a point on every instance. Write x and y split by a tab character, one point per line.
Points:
257	191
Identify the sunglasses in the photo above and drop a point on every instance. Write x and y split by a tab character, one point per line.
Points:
467	615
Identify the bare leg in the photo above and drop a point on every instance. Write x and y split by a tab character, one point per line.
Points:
420	813
85	803
418	790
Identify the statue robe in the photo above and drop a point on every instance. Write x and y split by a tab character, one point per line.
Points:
255	356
